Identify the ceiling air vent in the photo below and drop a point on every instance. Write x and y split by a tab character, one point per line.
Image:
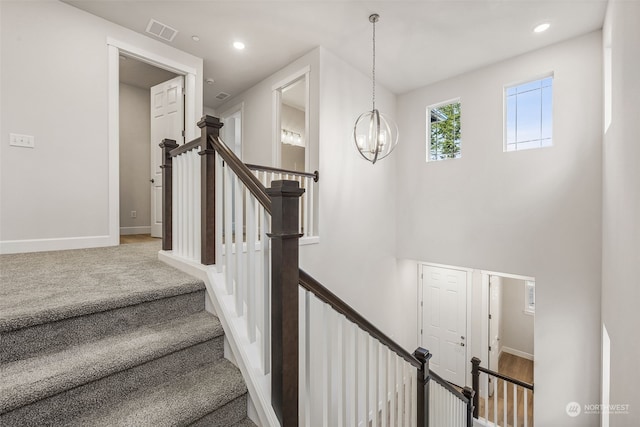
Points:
161	30
222	96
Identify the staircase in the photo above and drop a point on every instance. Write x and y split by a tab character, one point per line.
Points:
131	345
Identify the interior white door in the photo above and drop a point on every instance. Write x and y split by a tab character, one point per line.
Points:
167	122
444	321
495	324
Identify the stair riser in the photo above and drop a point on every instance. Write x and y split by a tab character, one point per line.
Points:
55	336
106	391
227	415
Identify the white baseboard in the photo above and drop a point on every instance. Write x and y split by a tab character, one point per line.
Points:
515	352
126	231
60	244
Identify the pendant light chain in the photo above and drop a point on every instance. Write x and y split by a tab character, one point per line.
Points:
374	63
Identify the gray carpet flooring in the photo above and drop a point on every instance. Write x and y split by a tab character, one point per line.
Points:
46	286
111	337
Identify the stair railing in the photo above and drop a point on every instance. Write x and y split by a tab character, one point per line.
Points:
494	394
325	363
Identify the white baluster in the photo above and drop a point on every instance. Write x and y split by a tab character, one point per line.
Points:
376	390
515	405
504	393
525	402
228	228
495	401
356	367
392	388
266	290
300	207
189	204
251	265
367	382
174	205
414	396
326	366
340	370
385	386
307	355
197	205
218	212
401	417
311	208
185	206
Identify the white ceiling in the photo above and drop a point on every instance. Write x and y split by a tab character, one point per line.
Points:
418	42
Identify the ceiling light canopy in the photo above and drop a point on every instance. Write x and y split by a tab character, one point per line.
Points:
195	38
541	27
374	134
238	45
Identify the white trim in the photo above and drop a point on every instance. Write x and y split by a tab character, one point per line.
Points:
114	48
113	123
508	275
56	244
291	78
235	334
515	352
276	116
151	58
143	229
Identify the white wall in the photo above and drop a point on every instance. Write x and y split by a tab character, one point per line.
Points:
54	86
535	213
356	254
517	326
621	208
135	125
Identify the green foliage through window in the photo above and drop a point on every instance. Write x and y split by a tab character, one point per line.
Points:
444	131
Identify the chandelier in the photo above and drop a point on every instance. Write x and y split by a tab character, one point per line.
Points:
374	134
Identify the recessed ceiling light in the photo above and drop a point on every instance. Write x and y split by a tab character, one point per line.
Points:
541	28
238	45
210	81
195	38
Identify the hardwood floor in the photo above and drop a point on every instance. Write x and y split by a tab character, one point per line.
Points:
518	368
136	238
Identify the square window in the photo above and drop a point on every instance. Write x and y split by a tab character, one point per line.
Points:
528	115
443	131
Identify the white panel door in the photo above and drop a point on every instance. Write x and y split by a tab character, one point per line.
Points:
167	122
444	321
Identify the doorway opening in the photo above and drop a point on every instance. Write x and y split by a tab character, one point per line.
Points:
191	110
510	342
291	122
140	178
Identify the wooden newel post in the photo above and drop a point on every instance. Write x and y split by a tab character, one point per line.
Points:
423	357
167	193
475	382
210	127
469	394
284	299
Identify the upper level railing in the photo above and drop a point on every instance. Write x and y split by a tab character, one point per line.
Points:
495	405
327	364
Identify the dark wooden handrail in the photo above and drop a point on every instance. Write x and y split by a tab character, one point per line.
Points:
444	383
252	183
313	175
191	145
325	295
506	378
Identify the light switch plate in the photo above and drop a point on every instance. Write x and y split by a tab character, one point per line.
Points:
17	140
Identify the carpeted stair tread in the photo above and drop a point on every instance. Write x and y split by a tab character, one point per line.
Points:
29	380
179	402
65	284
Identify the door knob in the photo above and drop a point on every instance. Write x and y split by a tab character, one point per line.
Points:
152	180
461	344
